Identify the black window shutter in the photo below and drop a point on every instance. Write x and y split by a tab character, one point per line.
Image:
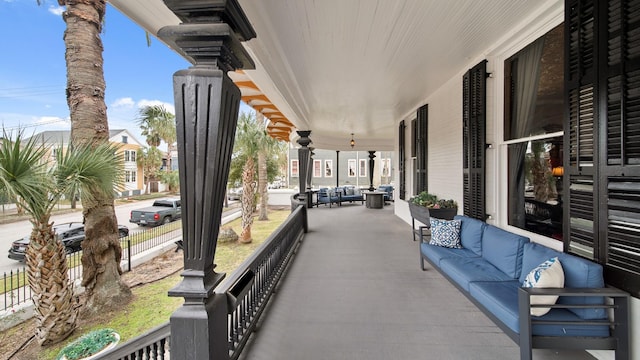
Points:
414	140
474	140
402	160
580	156
602	156
422	125
620	179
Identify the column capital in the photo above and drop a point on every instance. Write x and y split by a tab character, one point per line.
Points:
304	139
210	33
213	11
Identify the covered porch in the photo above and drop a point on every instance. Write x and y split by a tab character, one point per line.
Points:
355	291
438	84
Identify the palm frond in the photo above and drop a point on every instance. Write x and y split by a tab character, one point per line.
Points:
87	169
23	173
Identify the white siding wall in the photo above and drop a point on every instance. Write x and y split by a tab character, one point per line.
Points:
445	141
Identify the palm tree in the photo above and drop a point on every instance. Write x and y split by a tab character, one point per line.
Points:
151	160
37	186
268	149
158	125
249	139
88	112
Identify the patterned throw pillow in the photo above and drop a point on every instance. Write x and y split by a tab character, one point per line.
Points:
445	233
549	274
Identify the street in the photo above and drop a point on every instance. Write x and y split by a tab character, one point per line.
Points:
17	230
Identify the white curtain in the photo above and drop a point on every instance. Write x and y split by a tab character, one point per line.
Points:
527	76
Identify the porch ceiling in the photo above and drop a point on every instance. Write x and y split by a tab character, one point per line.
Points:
338	67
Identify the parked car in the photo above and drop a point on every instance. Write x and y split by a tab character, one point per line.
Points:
71	234
163	211
235	194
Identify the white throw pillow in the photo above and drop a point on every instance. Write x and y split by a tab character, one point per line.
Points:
549	274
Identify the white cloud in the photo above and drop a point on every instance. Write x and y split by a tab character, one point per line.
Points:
56	10
52	121
169	107
124	102
32	124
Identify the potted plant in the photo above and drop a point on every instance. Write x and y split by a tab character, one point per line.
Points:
89	345
426	205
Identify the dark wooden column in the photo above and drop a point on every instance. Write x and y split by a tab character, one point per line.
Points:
310	169
207	104
372	156
337	168
304	156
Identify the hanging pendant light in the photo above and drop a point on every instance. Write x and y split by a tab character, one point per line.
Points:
352	142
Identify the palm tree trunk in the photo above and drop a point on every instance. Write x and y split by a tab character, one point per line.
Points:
101	255
85	97
262	186
85	73
55	304
248	189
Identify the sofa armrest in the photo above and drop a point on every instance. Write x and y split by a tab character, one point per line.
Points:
422	232
619	320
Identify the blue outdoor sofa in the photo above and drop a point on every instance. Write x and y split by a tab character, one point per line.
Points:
339	195
490	266
350	194
388	189
328	196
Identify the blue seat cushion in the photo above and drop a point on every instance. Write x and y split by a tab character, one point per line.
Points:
578	273
471	233
464	270
503	249
501	299
437	253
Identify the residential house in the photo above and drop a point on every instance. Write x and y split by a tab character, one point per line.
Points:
129	146
331	168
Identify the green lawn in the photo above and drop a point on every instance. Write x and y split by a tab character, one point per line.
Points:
151	305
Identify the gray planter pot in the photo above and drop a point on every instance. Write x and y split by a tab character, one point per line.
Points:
423	214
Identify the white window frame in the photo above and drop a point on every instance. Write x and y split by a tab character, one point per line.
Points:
317	168
362	169
351	168
328	168
385	169
295	168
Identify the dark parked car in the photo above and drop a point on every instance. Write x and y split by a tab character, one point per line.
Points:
71	235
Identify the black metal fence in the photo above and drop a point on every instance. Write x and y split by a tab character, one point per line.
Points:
15	289
248	290
250	287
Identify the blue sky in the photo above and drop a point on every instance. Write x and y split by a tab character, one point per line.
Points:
33	70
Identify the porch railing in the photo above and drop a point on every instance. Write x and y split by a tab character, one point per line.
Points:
248	290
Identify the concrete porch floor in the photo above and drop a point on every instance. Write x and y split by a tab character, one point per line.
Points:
355	291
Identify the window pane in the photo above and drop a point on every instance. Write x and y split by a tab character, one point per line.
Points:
351	168
534	88
535	186
328	168
317	168
363	168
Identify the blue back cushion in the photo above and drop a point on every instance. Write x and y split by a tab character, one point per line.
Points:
503	249
578	273
471	233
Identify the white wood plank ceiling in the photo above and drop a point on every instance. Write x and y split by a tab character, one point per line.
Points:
337	67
